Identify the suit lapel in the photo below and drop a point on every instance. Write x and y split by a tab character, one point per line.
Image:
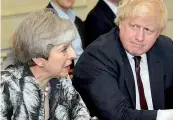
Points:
156	78
128	76
129	80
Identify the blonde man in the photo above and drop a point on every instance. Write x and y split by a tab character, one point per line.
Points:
127	74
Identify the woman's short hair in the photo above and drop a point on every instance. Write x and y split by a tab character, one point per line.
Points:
39	33
131	8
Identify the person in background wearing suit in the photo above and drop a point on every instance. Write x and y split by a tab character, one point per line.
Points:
63	9
127	74
100	19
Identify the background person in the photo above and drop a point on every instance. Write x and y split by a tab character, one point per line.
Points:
63	9
100	19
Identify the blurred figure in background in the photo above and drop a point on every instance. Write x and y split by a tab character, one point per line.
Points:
63	9
42	47
100	19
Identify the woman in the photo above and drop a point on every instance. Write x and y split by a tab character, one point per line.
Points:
43	51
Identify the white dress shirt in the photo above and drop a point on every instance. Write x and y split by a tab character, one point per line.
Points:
145	80
76	43
161	114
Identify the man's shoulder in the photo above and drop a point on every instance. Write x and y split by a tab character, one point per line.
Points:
164	42
78	20
164	38
110	38
107	45
163	47
96	12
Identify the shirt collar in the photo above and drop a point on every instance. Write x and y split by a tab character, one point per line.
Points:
69	15
112	6
130	57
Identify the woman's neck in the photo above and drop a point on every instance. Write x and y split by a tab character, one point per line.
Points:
41	76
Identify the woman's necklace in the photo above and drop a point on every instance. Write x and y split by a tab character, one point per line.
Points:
46	91
46	103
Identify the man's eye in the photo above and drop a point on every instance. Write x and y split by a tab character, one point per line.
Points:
148	31
133	26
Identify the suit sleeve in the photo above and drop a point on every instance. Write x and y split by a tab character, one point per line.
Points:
95	78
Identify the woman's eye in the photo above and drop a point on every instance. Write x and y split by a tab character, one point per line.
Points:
64	50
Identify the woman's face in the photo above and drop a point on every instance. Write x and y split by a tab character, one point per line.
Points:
59	60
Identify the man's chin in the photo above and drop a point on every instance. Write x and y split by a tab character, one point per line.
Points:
134	53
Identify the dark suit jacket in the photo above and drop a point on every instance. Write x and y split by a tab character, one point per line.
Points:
104	78
100	20
80	26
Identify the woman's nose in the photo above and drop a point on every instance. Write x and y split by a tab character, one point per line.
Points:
71	53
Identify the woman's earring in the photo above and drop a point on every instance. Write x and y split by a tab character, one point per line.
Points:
42	65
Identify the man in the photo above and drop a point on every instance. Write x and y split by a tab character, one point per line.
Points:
63	9
100	20
127	74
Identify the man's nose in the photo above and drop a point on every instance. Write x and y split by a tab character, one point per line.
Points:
140	35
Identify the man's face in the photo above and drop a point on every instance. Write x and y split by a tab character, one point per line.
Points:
65	4
138	34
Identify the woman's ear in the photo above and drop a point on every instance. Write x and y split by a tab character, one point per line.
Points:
39	61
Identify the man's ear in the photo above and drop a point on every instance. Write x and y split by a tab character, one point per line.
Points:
120	24
159	32
39	61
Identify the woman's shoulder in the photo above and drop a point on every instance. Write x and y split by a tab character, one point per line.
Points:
11	72
11	75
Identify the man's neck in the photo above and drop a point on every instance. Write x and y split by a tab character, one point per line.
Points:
60	7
